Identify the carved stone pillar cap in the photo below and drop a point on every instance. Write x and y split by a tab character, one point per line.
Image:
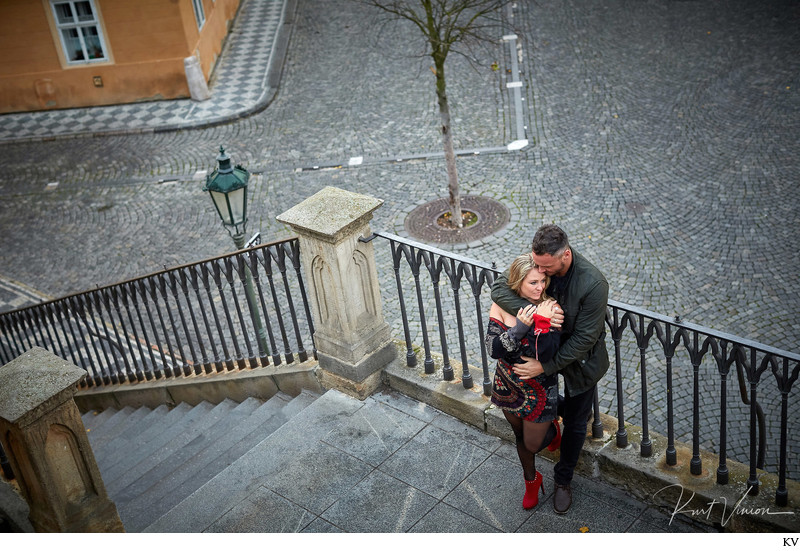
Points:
34	383
330	213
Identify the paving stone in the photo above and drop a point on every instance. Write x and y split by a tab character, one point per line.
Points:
315	477
434	460
493	494
379	503
446	519
249	515
374	432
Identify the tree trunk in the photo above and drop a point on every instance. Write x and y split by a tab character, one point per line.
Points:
447	142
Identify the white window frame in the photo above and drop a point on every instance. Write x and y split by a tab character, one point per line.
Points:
80	28
199	13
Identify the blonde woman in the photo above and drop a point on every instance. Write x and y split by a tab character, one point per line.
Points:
529	404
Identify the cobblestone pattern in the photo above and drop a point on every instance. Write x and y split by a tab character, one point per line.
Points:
665	143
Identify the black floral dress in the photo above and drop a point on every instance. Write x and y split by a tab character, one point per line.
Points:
533	399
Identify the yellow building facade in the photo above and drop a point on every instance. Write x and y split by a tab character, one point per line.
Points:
78	53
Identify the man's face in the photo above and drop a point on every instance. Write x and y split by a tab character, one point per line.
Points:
550	265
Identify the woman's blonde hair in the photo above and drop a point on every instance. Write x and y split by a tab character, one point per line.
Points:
523	264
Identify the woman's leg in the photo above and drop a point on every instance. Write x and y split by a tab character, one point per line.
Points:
537	435
531	438
527	458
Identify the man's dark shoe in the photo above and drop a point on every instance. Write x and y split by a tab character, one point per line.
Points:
562	498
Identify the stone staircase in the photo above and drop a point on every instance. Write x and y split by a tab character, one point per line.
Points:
151	460
327	462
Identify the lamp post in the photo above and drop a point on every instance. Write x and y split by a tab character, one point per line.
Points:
227	186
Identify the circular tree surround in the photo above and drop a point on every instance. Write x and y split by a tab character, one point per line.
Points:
428	222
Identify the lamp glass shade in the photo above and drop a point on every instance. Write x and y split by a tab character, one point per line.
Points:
230	206
236	201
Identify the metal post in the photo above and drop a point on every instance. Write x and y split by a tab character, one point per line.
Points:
252	304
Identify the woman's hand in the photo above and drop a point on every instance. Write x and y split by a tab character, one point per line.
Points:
547	308
525	314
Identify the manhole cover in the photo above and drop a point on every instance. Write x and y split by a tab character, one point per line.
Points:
636	208
421	222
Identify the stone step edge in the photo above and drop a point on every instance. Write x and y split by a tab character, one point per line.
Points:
260	382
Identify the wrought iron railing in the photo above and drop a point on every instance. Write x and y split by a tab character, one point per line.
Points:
192	319
433	288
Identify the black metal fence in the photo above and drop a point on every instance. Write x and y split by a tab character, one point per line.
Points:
682	373
235	311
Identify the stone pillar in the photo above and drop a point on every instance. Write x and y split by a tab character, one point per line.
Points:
46	443
352	339
198	88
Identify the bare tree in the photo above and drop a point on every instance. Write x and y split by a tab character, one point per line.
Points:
447	24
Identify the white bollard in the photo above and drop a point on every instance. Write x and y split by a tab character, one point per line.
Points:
198	88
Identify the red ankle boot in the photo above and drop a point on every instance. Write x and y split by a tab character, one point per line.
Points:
532	488
556	442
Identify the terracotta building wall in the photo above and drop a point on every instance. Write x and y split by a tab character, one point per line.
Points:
147	41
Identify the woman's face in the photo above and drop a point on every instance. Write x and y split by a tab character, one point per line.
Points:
532	286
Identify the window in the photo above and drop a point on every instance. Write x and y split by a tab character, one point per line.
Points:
199	13
79	30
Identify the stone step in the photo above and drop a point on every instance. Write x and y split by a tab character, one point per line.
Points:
154	431
173	438
132	431
130	422
225	490
126	488
299	403
116	466
168	492
109	424
92	419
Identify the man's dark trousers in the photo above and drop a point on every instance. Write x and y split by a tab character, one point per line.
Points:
575	411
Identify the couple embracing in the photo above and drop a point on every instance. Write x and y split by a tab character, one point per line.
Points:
548	317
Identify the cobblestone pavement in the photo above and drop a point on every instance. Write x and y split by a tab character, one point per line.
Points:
664	141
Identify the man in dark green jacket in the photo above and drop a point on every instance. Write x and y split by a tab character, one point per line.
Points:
582	359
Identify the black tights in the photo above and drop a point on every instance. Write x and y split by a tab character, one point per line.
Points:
531	439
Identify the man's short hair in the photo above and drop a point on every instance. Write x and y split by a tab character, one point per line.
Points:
550	239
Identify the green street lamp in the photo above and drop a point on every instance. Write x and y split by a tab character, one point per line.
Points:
227	186
228	189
